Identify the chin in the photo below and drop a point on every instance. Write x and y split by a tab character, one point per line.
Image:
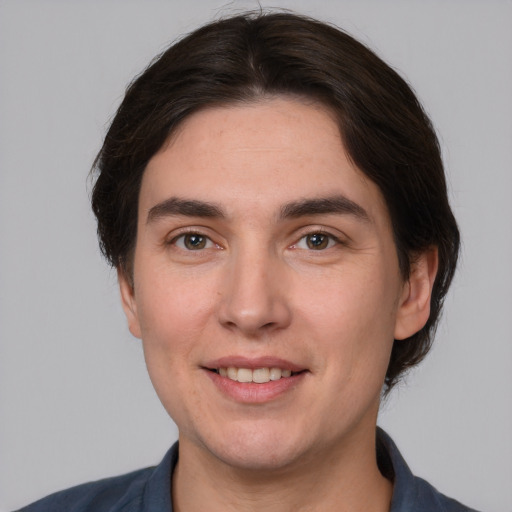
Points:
268	457
254	450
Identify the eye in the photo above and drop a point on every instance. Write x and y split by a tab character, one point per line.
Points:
192	242
316	241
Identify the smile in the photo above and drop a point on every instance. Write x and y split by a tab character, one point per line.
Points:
258	375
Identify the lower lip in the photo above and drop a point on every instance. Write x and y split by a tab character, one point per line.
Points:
253	393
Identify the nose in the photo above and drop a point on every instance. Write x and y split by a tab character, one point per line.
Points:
254	298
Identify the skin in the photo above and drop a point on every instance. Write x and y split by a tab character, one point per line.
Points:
255	286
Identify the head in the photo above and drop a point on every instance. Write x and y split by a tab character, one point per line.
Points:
249	58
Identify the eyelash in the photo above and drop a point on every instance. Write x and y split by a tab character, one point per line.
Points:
332	240
182	236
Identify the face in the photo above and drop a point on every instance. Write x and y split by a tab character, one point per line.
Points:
266	288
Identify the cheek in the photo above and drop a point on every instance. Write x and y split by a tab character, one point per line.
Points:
172	300
173	313
174	316
353	318
355	302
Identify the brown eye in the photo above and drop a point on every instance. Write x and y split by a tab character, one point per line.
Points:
317	241
192	242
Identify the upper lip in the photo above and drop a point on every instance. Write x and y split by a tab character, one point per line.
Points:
254	363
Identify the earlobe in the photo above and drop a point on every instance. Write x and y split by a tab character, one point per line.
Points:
128	303
414	307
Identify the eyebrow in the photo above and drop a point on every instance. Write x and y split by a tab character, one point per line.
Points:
339	204
326	205
175	206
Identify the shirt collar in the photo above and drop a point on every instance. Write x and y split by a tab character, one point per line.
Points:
406	493
157	493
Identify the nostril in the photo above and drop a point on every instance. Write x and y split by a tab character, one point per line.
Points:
250	307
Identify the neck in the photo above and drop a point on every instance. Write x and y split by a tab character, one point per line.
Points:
345	479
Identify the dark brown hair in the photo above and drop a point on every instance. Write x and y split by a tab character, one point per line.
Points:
246	57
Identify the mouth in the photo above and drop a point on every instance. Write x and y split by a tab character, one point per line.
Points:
255	385
255	380
256	375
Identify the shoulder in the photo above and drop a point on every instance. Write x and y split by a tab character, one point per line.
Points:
410	492
139	491
102	495
431	499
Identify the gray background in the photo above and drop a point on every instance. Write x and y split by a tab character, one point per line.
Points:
75	401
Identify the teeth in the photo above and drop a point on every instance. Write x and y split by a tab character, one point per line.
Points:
244	375
259	375
275	373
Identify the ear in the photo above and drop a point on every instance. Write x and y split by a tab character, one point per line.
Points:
414	307
128	302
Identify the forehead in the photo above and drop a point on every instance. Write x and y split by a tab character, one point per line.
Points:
257	156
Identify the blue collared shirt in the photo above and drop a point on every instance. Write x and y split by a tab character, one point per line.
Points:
149	490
